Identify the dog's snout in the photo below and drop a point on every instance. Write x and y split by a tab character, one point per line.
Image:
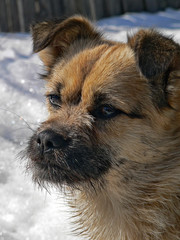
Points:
49	140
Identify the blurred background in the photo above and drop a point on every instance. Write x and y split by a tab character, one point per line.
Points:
16	15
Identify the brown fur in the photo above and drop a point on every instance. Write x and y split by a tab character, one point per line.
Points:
127	183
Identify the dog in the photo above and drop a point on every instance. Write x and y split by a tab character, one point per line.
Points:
112	137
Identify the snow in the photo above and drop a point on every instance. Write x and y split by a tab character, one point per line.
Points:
26	213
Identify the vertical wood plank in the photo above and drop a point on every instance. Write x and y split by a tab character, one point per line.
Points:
92	10
133	5
43	9
82	7
89	9
57	8
69	7
15	16
112	7
86	8
9	19
162	4
3	17
21	15
99	8
28	13
151	5
155	5
173	3
12	16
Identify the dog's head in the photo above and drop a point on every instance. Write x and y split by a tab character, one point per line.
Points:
110	104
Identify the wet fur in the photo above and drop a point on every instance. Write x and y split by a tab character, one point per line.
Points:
122	174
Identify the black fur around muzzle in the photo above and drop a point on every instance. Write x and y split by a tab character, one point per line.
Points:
59	158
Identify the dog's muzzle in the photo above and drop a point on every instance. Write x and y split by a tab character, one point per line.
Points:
66	156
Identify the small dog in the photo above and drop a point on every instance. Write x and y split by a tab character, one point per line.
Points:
112	138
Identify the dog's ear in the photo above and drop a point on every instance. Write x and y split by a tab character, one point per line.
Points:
156	56
154	52
52	38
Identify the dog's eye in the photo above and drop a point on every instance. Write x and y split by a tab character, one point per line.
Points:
106	112
54	100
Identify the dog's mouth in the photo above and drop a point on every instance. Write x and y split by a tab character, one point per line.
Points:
74	163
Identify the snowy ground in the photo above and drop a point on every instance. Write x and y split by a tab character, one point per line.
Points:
25	212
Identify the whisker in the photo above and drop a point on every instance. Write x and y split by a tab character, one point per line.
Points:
20	118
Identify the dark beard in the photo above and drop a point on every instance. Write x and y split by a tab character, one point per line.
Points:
71	165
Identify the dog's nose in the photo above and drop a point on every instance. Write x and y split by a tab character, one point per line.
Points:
49	140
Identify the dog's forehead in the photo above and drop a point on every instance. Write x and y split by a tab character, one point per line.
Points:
98	70
110	72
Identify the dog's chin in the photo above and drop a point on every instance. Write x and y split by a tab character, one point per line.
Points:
48	173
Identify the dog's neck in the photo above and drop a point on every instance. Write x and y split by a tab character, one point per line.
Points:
137	210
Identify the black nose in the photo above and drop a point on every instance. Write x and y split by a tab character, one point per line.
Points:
49	140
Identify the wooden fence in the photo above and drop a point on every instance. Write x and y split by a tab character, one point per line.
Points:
16	15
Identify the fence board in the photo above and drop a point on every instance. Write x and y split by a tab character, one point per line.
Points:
28	13
83	7
89	9
113	7
162	4
45	10
3	17
57	8
173	3
99	8
155	5
92	10
86	8
151	6
21	15
69	7
9	19
15	16
133	5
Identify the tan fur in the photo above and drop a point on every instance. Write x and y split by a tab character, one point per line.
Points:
139	198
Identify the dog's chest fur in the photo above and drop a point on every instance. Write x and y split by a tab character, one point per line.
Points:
139	210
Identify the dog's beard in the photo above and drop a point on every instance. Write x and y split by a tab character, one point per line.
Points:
73	165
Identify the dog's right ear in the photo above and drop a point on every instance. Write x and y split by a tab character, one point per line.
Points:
158	59
52	38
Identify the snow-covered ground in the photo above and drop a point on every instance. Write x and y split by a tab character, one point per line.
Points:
25	212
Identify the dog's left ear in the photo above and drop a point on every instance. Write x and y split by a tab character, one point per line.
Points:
53	37
155	53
